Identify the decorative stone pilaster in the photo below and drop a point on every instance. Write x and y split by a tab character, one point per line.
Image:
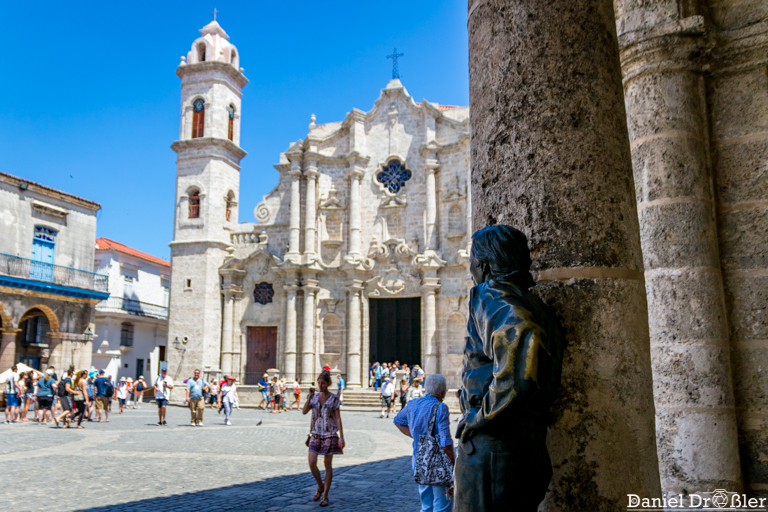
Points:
429	350
8	347
232	290
310	220
291	324
690	353
354	334
550	155
294	255
431	167
308	356
355	218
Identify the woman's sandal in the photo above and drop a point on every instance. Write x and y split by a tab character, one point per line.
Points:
318	494
324	502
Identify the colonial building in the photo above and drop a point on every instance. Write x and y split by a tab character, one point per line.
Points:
47	288
132	324
359	254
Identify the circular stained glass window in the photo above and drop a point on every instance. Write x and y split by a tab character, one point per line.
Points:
393	176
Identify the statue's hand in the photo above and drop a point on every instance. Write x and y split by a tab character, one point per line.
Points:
466	426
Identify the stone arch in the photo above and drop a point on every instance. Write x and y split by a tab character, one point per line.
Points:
331	334
455	333
53	320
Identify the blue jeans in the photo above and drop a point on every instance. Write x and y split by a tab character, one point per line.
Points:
433	499
227	409
377	384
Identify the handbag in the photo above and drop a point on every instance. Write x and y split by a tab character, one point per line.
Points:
433	467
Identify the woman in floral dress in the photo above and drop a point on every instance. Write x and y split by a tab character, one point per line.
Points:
326	433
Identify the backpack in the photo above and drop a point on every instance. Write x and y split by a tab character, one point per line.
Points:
139	387
109	390
61	390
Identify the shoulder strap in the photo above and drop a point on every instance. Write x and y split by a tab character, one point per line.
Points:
433	419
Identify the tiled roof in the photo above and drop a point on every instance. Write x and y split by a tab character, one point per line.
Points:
103	244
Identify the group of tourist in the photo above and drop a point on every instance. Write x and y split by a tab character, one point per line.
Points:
78	395
383	377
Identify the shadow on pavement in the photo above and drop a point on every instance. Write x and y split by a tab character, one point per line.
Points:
359	488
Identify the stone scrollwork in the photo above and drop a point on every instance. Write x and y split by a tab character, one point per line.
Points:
262	212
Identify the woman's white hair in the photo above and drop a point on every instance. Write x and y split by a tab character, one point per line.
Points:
435	385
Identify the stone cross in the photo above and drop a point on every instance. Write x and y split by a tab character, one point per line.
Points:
215	12
394	56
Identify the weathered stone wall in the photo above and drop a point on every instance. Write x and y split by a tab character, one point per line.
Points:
550	155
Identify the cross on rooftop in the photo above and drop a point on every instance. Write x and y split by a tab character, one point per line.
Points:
394	56
215	12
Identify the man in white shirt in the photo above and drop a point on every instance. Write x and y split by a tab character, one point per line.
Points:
387	390
163	387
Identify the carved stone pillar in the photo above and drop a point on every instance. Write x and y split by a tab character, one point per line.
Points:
429	344
226	333
289	367
308	336
311	212
295	222
355	219
686	303
8	348
354	335
431	167
550	155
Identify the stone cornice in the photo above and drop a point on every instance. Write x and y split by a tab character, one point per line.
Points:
232	151
50	192
438	147
188	70
201	242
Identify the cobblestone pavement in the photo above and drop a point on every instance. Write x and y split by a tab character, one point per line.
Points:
133	464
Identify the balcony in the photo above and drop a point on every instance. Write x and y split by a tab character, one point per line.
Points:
47	277
133	307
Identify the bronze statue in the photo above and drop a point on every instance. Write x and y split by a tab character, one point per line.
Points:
510	379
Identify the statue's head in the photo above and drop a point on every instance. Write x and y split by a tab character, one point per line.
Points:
500	252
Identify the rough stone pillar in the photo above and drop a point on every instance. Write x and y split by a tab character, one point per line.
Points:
295	222
354	343
56	350
550	155
8	348
355	219
308	336
226	333
697	437
429	343
431	167
289	367
311	211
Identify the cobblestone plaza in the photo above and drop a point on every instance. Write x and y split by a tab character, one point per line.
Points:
133	464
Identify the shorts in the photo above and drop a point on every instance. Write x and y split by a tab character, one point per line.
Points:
66	403
264	395
386	401
29	396
277	399
44	402
297	396
12	401
122	400
101	403
161	402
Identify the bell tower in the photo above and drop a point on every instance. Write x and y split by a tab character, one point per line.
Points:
207	191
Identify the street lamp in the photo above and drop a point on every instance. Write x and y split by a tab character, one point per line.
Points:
88	335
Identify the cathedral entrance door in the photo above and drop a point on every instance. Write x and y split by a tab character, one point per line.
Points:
395	330
261	353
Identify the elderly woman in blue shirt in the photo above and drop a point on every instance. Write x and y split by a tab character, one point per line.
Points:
413	421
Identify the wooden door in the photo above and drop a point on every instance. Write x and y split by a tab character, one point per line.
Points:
261	352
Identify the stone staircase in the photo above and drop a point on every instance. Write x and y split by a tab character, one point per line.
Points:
361	400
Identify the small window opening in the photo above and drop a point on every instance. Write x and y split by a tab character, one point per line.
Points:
201	52
198	118
126	335
230	200
189	283
231	130
194	205
232	58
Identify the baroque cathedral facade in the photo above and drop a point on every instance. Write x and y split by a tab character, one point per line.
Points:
359	254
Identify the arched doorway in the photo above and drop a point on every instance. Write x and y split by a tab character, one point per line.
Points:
33	339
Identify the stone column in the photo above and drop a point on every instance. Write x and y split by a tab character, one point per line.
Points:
696	434
354	344
431	167
429	343
550	155
355	219
226	333
291	325
295	222
308	336
8	347
311	211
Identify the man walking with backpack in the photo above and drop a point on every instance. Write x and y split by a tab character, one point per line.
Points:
138	392
163	386
103	392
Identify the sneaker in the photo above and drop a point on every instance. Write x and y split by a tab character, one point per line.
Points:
200	424
165	422
194	424
160	423
228	423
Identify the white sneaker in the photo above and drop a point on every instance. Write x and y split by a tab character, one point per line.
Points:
194	424
381	415
200	424
228	423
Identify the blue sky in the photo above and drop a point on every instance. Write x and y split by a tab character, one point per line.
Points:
90	99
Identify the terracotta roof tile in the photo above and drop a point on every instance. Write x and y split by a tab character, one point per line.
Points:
103	244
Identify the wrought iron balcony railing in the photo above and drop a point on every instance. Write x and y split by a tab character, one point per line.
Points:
133	307
25	268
